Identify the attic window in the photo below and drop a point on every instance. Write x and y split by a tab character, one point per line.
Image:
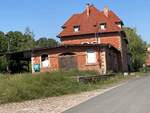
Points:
76	28
103	26
63	27
119	24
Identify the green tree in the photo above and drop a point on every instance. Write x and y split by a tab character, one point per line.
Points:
137	48
44	42
3	64
29	39
19	41
3	42
3	49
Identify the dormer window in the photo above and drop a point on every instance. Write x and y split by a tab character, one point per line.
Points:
103	26
119	24
63	27
76	28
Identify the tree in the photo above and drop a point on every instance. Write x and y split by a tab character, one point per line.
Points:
19	41
44	42
3	42
3	49
3	64
29	39
137	48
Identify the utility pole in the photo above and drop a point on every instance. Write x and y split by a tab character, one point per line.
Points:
8	52
8	44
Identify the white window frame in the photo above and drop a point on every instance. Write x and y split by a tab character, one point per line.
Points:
76	29
119	25
103	26
48	60
90	52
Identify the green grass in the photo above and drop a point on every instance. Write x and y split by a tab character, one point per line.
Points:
23	87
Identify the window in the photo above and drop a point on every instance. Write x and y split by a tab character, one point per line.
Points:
45	61
148	49
76	28
119	24
103	26
91	57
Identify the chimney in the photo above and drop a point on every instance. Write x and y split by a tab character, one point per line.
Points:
88	9
106	11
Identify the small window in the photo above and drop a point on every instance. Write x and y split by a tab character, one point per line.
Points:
76	28
148	49
45	61
103	26
119	24
91	57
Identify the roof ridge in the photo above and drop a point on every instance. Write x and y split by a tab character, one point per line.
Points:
87	22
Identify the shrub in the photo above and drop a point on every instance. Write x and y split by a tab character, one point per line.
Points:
23	87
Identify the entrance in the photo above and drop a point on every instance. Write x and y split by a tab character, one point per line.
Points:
67	61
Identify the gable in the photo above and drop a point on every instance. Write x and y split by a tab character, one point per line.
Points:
89	24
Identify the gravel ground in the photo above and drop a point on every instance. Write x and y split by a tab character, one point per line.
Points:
51	105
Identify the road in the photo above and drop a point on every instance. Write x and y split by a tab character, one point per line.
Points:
133	97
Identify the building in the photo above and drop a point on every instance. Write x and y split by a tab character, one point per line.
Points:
91	40
148	57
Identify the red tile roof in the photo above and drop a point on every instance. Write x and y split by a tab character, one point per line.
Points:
90	24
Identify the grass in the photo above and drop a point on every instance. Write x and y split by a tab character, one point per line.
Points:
23	87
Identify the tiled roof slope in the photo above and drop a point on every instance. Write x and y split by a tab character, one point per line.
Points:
90	24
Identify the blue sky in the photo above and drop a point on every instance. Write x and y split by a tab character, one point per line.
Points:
45	17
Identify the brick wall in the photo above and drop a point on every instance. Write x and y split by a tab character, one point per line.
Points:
110	38
113	40
78	39
81	57
148	60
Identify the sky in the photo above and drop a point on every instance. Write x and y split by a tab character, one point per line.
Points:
45	17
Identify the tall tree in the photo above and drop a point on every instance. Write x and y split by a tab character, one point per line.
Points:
45	42
29	39
137	48
3	49
17	41
3	42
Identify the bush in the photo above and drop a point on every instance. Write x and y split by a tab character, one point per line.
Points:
3	64
23	87
27	86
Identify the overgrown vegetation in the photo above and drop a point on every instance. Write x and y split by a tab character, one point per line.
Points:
137	48
23	87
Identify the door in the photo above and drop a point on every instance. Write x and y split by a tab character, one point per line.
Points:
67	62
